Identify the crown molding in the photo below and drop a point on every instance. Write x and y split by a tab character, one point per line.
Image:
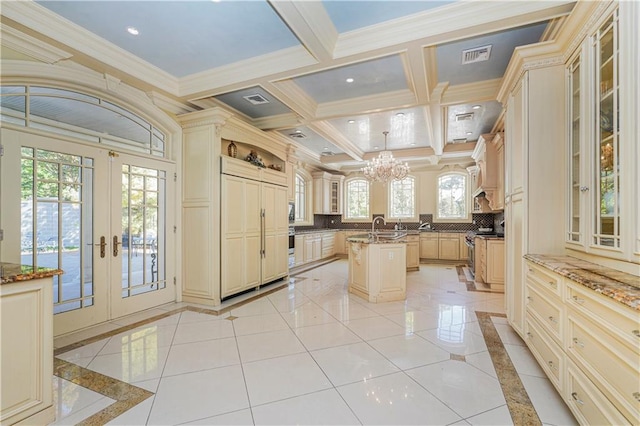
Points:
580	23
31	46
435	26
311	24
365	104
330	133
235	75
40	19
213	116
471	92
168	104
524	58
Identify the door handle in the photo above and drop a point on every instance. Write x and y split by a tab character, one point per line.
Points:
115	245
103	246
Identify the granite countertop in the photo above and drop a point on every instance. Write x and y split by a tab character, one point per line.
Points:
13	272
490	237
620	286
366	238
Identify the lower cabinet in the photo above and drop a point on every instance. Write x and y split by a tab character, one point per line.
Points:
413	252
26	353
299	250
429	245
448	246
328	244
587	344
489	261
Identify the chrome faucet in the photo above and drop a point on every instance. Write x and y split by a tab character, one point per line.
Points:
373	224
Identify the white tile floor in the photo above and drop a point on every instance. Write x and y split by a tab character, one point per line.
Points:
313	354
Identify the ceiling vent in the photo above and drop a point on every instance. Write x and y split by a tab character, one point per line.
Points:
477	54
464	117
460	140
326	153
297	135
256	99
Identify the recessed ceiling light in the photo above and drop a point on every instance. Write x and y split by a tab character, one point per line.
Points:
375	147
413	143
351	121
298	131
326	148
349	80
133	30
469	133
400	114
476	107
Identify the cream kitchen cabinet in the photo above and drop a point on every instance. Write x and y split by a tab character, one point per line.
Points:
26	353
312	247
489	175
254	218
328	244
464	249
377	272
448	246
586	343
299	250
429	245
340	242
413	252
327	193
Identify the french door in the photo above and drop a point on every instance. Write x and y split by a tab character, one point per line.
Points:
104	219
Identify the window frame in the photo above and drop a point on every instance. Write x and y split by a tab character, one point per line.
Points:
467	199
415	216
345	214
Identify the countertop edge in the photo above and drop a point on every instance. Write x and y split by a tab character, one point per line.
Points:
13	272
609	282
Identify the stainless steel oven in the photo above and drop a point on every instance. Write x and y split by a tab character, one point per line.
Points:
292	247
470	241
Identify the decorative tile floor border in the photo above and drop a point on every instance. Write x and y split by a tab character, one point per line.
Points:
520	406
471	285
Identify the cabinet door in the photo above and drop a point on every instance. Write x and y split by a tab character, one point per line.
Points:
429	247
275	240
308	248
413	254
495	262
299	249
464	250
317	248
340	242
449	248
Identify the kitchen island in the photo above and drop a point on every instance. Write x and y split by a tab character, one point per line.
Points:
377	266
26	314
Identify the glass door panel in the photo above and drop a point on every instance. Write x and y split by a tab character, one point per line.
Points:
575	156
141	223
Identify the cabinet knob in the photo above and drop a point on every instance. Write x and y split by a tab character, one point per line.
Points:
584	188
529	335
552	365
578	342
636	395
636	333
574	395
553	320
530	299
577	300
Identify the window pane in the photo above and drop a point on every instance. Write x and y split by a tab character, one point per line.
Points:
402	198
452	196
357	199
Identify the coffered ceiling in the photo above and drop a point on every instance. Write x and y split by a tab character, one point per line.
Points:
327	76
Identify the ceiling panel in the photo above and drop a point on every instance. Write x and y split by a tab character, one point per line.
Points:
183	37
353	15
466	122
236	100
369	78
451	69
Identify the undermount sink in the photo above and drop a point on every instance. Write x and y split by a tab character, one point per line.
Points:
389	235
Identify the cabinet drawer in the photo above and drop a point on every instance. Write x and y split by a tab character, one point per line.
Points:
546	310
549	355
588	404
613	366
544	278
618	318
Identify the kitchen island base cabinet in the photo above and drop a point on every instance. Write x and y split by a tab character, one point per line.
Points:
27	352
377	272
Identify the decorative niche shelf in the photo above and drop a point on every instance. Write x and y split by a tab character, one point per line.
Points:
243	150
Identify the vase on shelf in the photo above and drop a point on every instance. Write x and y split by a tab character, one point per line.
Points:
232	150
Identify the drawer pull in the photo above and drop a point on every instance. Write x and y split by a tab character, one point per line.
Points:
636	333
532	271
553	320
552	366
553	284
577	300
578	342
574	395
529	335
636	395
530	299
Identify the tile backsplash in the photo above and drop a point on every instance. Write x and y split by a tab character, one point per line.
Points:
483	220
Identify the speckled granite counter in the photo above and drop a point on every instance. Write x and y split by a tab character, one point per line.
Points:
12	272
490	237
367	238
620	286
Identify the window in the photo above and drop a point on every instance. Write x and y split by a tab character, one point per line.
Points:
402	198
357	199
301	198
452	197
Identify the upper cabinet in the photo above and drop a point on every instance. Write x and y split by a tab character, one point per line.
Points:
327	193
487	176
603	137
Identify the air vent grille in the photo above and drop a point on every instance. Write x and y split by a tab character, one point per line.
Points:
477	54
460	140
464	117
326	153
256	99
297	135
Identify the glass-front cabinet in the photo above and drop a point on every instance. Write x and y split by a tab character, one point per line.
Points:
601	140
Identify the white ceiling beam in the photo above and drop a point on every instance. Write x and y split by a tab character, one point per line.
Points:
331	134
417	77
366	104
292	95
311	24
471	92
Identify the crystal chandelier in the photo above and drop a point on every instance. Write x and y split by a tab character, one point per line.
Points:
385	168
